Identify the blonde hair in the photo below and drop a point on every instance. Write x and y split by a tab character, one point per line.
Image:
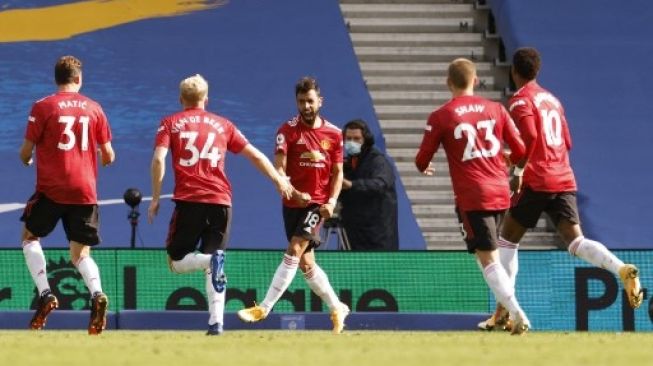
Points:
193	89
461	73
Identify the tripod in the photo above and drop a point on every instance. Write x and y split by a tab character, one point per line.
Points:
334	226
133	220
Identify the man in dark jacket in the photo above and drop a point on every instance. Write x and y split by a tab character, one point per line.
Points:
368	197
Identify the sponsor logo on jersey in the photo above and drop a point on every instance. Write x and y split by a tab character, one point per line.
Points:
301	141
313	155
315	159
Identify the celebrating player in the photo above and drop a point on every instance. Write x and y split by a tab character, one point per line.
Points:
309	152
548	183
67	129
472	131
199	141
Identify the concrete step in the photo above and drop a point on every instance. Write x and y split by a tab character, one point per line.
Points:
441	225
402	84
424	183
531	241
416	39
444	197
403	125
407	155
410	25
408	169
410	111
407	140
418	54
400	68
410	139
404	48
436	98
434	211
406	10
448	224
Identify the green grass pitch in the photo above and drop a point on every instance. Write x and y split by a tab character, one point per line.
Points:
317	348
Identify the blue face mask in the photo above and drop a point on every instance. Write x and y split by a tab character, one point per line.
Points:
352	148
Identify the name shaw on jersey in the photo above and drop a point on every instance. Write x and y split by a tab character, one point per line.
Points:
463	109
65	104
180	123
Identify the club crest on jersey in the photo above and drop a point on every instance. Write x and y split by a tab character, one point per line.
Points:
325	144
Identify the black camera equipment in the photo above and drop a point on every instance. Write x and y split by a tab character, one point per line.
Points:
133	198
333	225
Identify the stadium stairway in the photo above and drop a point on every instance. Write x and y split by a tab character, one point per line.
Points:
403	49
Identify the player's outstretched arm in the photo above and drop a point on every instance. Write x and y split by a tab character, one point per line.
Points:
302	198
158	169
263	164
107	154
26	152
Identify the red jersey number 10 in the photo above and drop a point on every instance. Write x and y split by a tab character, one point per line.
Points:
552	127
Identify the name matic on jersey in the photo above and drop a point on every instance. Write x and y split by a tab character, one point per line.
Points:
65	104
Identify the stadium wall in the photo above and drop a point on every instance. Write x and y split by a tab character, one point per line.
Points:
557	291
594	53
252	52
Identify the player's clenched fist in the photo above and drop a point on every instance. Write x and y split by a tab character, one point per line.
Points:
302	198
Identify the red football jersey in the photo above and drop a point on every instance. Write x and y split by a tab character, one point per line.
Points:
198	141
310	155
67	128
541	118
472	131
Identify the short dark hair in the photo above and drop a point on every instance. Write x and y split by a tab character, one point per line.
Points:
359	124
306	84
526	62
67	69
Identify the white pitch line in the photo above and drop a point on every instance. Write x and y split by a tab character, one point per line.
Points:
8	207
